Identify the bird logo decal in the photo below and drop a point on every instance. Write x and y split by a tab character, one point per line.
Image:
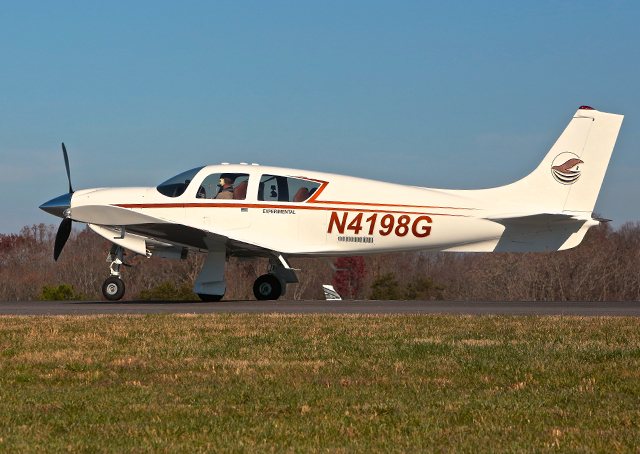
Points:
566	168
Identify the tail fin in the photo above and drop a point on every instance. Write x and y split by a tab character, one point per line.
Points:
569	178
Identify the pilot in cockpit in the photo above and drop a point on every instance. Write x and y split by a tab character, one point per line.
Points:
225	187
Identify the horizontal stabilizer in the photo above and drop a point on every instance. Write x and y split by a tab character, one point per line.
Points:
533	219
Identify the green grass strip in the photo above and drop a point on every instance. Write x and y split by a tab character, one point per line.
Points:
319	383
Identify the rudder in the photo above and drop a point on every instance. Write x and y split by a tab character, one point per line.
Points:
595	156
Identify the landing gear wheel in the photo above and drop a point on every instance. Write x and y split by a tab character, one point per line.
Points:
267	287
210	298
113	288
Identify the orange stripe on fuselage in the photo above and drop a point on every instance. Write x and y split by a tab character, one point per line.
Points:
308	207
393	205
288	207
150	205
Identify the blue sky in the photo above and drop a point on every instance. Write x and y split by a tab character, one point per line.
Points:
458	95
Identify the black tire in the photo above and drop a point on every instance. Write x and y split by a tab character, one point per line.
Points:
113	288
267	287
210	298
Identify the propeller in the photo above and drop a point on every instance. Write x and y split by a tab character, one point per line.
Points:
61	237
65	226
66	164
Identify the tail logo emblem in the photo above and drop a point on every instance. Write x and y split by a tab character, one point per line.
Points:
565	168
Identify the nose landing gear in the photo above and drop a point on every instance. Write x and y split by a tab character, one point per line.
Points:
113	288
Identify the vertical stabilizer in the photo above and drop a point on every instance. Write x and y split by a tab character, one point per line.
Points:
570	176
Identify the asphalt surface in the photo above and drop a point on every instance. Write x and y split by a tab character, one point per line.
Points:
321	307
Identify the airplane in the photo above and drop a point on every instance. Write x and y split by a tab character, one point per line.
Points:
250	211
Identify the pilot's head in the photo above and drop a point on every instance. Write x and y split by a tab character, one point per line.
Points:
226	179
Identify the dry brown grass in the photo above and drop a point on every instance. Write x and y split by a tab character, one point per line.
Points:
319	383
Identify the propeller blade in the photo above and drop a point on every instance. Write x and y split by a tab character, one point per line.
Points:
61	237
66	163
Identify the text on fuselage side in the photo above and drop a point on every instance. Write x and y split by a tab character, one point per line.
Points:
275	211
403	226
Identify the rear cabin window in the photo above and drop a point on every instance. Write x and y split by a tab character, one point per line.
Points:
275	188
224	186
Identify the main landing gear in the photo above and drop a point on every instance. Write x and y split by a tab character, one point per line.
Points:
113	288
273	285
210	284
267	287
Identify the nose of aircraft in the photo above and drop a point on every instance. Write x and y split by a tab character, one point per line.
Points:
57	206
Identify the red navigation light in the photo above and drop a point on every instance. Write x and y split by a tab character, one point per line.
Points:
586	108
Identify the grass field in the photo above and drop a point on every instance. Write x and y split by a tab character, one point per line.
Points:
316	383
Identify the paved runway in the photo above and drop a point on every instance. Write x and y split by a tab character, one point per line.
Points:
321	307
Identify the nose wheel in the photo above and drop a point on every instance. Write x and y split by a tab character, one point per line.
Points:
113	288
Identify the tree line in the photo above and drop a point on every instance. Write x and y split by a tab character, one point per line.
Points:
603	268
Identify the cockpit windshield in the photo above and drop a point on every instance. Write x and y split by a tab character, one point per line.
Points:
175	187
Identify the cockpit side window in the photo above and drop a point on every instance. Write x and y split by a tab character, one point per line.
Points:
175	187
276	188
221	186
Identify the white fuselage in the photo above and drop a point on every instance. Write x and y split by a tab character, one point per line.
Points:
344	216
